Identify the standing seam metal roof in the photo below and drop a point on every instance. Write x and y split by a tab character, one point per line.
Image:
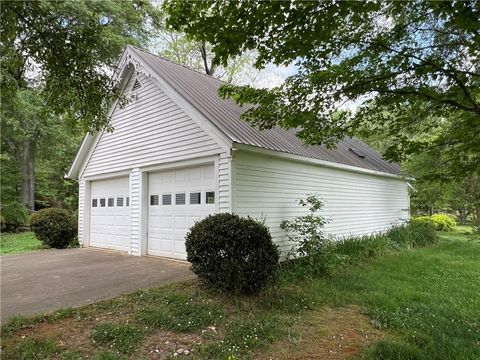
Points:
201	91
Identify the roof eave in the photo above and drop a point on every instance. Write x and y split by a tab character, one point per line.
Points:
290	156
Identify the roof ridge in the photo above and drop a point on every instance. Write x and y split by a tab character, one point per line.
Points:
177	64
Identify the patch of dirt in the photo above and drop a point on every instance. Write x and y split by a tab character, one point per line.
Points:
69	333
163	344
329	334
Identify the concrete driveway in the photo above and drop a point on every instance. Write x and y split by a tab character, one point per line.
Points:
44	281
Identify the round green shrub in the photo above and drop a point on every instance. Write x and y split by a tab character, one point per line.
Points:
15	215
54	227
444	222
232	253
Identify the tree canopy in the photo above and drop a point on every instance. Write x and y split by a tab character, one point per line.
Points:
410	67
69	49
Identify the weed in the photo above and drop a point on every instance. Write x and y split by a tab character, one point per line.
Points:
181	314
20	322
392	350
31	349
123	338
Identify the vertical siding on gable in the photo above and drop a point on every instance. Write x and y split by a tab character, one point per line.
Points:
149	131
357	204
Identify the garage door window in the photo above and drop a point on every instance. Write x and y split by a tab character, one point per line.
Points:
111	202
102	202
153	200
195	198
94	202
119	201
210	197
127	201
180	199
167	199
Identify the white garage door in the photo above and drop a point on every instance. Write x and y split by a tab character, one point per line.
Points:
110	214
177	199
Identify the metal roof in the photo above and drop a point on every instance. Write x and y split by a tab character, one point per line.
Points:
201	91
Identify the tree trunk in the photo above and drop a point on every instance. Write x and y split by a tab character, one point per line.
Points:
28	176
477	216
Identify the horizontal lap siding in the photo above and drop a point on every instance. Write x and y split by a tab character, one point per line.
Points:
357	204
150	130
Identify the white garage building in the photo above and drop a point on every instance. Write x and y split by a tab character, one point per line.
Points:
178	152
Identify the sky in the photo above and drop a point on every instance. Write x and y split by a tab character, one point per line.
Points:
274	76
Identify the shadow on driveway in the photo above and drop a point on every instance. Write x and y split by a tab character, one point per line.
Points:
48	280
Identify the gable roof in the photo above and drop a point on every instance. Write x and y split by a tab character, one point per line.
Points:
201	91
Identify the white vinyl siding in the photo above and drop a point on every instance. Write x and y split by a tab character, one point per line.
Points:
269	188
224	183
135	202
81	211
150	130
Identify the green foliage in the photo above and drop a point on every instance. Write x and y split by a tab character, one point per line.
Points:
11	179
124	338
32	349
412	235
392	350
181	314
54	227
15	215
444	222
106	355
352	250
306	232
411	66
76	79
440	222
232	253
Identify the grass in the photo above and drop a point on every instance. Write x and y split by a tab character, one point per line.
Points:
123	338
180	314
420	304
19	243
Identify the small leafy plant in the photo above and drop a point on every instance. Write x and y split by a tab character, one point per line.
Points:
307	231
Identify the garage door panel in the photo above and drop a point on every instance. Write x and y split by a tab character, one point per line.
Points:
110	224
169	221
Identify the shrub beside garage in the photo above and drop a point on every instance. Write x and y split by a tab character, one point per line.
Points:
54	227
232	253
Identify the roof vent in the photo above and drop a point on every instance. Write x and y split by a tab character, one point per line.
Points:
357	152
136	85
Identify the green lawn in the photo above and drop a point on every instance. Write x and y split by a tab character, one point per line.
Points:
18	243
420	304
